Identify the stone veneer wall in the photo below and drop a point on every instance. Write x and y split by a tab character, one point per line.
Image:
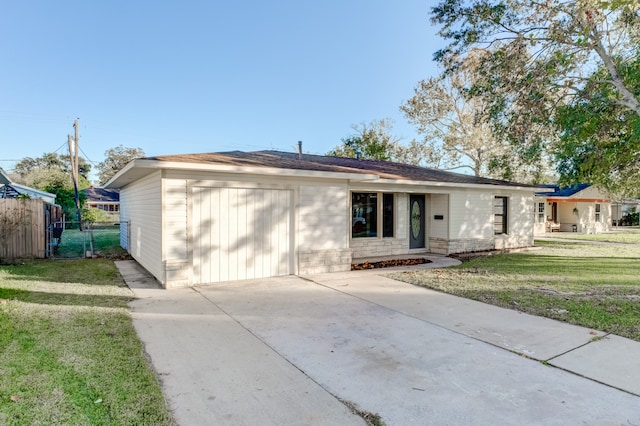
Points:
176	273
368	247
320	261
443	246
506	242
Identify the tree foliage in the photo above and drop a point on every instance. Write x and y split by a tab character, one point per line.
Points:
51	178
544	47
455	129
51	161
115	159
600	139
92	215
372	141
541	57
58	183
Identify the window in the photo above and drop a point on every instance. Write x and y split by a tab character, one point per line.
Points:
597	212
500	218
387	215
365	217
540	212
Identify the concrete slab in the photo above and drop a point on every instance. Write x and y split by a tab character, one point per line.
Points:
613	360
536	337
214	371
277	351
135	275
407	369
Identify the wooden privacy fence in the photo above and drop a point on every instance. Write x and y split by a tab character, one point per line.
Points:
26	227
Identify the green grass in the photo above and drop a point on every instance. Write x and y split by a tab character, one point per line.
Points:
106	242
592	286
624	236
68	351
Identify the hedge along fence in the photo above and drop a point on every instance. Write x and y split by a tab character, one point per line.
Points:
22	228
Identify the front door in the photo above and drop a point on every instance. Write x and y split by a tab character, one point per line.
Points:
416	221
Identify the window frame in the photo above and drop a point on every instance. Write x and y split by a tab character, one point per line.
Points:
381	227
542	212
504	215
598	212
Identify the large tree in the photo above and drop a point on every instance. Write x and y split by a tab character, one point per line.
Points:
600	139
455	129
542	55
115	159
372	141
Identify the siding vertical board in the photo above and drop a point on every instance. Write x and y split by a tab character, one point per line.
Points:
241	233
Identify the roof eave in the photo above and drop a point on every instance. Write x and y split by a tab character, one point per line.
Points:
141	167
456	184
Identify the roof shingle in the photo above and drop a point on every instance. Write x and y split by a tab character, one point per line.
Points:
286	160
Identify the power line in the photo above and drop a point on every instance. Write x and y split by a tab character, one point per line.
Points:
86	157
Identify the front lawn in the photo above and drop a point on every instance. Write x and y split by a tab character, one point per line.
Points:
593	286
625	236
68	351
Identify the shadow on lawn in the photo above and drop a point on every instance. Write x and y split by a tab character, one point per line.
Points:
561	264
65	299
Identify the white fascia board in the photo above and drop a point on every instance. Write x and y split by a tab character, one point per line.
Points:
455	185
141	167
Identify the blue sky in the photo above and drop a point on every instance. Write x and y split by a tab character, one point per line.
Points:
203	76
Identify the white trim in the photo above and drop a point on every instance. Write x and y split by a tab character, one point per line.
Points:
144	167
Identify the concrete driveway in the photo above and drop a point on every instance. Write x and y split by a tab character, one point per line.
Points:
287	350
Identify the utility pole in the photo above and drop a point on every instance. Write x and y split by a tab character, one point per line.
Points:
73	157
77	138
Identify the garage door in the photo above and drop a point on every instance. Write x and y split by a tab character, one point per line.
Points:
241	233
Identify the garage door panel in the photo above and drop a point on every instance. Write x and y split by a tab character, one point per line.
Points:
241	233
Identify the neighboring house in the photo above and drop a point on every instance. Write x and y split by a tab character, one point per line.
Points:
104	199
580	208
621	208
202	218
9	189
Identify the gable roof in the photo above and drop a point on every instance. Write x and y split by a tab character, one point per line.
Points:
12	190
4	178
102	194
318	163
557	191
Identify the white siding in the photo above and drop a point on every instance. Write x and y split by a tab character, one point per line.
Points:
586	218
438	205
323	217
141	206
175	219
401	216
471	214
590	192
521	221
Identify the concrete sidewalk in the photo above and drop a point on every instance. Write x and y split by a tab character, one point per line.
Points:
282	350
606	358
